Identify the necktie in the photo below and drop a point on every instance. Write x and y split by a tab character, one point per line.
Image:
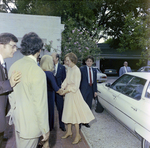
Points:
54	71
90	76
4	69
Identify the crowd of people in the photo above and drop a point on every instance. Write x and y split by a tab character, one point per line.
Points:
34	87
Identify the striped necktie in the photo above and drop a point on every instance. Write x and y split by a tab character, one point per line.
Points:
5	70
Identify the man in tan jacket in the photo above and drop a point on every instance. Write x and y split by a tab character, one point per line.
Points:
29	109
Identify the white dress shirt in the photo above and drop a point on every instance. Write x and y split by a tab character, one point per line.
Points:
56	67
1	59
125	69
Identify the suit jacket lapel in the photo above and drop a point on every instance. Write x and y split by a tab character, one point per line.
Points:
86	72
93	74
4	74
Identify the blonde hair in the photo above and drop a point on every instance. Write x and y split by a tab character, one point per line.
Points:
47	63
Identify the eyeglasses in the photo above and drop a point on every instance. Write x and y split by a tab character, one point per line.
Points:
13	46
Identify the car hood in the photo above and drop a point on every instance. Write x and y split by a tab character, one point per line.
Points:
101	74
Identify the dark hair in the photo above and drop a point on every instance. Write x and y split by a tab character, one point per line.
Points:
31	44
89	57
5	38
57	56
72	57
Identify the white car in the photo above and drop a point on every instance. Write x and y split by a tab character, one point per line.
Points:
101	77
128	99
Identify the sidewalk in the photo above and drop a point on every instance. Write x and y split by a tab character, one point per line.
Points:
55	137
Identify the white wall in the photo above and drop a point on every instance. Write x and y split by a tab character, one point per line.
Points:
49	28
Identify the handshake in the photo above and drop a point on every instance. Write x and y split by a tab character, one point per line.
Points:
62	91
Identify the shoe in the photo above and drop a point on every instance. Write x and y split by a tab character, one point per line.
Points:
63	129
66	136
86	125
5	138
76	142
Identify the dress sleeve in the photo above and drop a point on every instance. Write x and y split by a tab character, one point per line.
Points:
75	81
52	80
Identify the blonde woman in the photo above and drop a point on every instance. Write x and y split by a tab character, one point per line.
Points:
75	109
47	65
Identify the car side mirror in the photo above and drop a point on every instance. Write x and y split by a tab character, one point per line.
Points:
108	84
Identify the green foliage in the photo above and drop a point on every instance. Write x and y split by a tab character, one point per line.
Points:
145	55
112	17
78	42
49	47
133	33
108	41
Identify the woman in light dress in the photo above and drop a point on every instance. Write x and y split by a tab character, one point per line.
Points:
75	109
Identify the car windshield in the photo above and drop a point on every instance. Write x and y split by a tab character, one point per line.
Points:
98	70
129	85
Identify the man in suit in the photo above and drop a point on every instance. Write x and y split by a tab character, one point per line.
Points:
60	75
88	85
7	49
29	107
124	69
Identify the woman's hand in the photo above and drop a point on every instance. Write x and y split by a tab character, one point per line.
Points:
60	91
65	92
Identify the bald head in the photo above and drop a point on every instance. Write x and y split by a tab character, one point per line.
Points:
125	63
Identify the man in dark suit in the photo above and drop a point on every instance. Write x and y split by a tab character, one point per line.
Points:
60	75
7	48
88	85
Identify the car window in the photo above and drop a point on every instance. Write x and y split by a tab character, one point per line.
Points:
98	70
147	94
147	69
129	85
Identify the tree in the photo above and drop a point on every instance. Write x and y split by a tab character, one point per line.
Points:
133	33
116	18
145	56
106	15
78	42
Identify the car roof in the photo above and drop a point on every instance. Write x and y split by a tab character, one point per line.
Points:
144	75
145	67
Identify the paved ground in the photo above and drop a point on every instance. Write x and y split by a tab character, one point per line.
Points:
107	132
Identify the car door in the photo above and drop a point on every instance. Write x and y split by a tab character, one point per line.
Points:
144	108
107	97
128	104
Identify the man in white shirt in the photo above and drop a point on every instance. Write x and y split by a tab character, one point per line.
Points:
7	49
88	85
124	69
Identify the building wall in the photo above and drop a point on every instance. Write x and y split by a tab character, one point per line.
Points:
49	28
